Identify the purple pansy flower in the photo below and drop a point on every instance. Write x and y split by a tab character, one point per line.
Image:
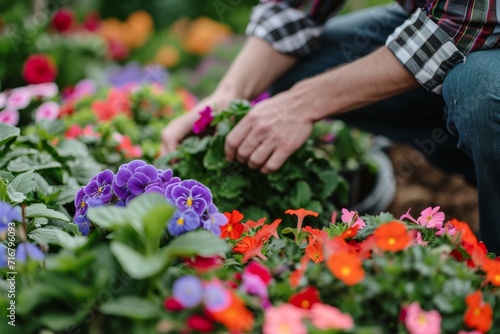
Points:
214	220
100	186
188	291
204	121
216	297
83	224
133	178
27	250
81	204
183	221
8	214
165	178
3	256
191	194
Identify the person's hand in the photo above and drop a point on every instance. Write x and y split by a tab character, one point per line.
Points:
270	132
182	126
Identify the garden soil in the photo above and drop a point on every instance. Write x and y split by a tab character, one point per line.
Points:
427	186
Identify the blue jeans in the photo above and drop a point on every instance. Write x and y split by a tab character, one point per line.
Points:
470	100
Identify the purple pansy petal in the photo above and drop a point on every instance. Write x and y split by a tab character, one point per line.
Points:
3	256
188	291
83	224
148	170
216	297
202	192
182	222
137	183
27	250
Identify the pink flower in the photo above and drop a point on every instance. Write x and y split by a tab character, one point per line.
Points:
125	146
471	332
448	228
351	218
204	121
3	100
408	216
284	319
48	110
431	218
263	96
83	88
254	285
9	116
418	321
44	90
19	98
326	317
419	241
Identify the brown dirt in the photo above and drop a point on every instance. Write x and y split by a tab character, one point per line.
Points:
420	186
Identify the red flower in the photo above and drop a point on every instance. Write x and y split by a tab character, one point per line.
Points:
305	298
260	270
297	274
171	304
315	234
350	232
92	21
234	228
204	264
492	269
200	324
245	244
63	20
39	68
250	224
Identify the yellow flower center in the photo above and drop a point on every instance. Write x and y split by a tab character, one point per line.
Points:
100	189
284	329
180	221
477	311
346	271
189	201
230	228
305	304
391	241
421	319
496	279
82	204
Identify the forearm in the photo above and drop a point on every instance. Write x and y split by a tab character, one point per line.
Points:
370	79
256	67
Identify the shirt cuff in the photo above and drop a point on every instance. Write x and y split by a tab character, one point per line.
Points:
287	29
425	49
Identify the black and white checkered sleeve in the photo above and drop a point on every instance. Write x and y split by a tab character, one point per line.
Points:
425	49
287	29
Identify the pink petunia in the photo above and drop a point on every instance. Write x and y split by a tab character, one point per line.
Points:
9	116
471	332
326	317
204	121
418	240
351	218
431	218
284	319
418	321
448	228
48	110
19	98
44	90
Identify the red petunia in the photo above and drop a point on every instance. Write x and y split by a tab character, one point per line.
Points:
305	298
63	20
234	228
39	68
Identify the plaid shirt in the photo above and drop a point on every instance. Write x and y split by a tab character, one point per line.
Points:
436	36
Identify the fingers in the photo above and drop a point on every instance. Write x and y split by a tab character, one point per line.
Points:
262	153
235	138
277	159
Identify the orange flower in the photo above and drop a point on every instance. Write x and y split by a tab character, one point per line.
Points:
254	251
314	234
203	34
250	224
267	231
346	267
464	231
245	244
479	315
297	274
234	228
301	213
350	232
492	269
315	252
236	317
392	236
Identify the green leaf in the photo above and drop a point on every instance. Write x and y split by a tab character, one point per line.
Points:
39	162
56	236
137	265
215	157
199	242
300	195
193	145
6	175
41	210
288	230
72	148
329	180
3	190
8	134
23	183
131	307
108	217
154	223
139	210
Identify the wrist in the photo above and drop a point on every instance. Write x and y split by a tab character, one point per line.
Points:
316	103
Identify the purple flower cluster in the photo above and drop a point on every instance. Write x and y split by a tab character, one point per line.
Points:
8	214
192	199
189	291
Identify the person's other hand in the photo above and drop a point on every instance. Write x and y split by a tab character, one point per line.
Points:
270	132
182	126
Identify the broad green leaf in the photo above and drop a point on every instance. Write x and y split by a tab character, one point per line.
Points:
15	196
138	210
18	152
41	161
329	180
194	145
56	236
8	134
3	190
135	264
199	242
215	158
300	195
155	223
108	217
41	210
72	148
23	183
131	307
6	175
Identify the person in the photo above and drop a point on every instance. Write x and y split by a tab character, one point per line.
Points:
419	72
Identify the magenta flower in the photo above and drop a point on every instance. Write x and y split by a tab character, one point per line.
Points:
48	110
263	96
216	297
19	98
183	221
26	250
204	121
9	116
351	218
418	321
326	317
431	218
188	291
285	318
